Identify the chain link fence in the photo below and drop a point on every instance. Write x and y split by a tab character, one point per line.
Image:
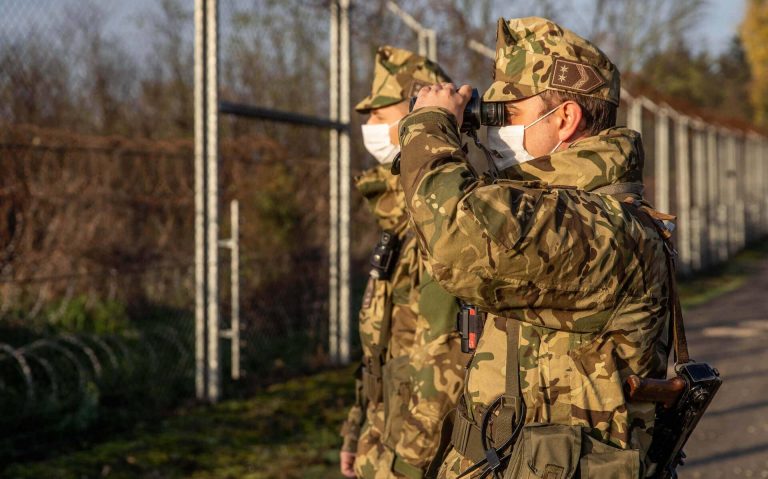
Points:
96	205
97	194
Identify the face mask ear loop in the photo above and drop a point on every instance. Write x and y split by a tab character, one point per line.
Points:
543	116
556	147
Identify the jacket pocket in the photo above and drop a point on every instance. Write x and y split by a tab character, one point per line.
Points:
557	451
545	451
374	312
603	461
397	394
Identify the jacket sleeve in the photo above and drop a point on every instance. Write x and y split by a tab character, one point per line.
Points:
545	256
350	429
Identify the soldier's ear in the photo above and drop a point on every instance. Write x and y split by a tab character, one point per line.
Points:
572	123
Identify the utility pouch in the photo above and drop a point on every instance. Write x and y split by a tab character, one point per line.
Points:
558	451
384	255
397	394
371	381
469	324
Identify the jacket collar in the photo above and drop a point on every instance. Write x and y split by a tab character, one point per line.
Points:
385	197
612	156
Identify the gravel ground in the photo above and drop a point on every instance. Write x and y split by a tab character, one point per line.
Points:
731	333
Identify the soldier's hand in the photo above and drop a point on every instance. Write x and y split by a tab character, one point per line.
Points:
347	460
445	95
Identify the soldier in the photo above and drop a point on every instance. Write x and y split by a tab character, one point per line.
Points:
413	367
562	253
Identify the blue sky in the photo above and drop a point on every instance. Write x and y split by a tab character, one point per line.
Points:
720	23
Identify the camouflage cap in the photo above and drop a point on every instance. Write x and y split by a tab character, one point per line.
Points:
398	75
534	54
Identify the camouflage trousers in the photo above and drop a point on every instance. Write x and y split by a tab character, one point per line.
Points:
454	464
373	459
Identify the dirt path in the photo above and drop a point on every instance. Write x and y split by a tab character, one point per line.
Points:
731	332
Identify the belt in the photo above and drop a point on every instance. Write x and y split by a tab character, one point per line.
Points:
408	470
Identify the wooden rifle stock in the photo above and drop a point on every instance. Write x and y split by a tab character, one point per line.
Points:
664	391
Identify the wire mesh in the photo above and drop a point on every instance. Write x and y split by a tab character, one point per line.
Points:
96	194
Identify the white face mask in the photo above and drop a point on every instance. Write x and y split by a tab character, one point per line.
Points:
377	142
509	142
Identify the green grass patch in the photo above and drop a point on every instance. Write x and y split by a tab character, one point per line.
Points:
288	430
722	279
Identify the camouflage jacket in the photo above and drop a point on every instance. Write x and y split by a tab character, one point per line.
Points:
582	272
423	368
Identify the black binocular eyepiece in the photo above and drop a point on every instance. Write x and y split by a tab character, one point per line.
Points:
478	113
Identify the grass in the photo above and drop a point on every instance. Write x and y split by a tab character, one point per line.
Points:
288	430
722	279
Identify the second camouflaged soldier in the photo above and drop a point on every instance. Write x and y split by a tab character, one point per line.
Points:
413	367
563	253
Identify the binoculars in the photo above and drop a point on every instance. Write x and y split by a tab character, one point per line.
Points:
478	113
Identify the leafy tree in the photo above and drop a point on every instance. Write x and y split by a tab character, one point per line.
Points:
754	34
716	83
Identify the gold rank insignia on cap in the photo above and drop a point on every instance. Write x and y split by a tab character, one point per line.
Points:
575	76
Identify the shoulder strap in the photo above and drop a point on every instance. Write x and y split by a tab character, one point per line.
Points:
386	323
676	311
615	189
510	404
512	380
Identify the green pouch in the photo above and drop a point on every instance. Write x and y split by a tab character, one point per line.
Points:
557	451
396	382
603	461
437	307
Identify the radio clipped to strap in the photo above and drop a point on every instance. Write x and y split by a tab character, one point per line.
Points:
384	255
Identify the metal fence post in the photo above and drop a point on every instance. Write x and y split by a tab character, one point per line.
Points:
233	244
333	249
730	194
432	45
751	173
700	252
212	115
423	41
635	114
235	268
713	196
345	178
683	187
201	255
740	189
662	159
